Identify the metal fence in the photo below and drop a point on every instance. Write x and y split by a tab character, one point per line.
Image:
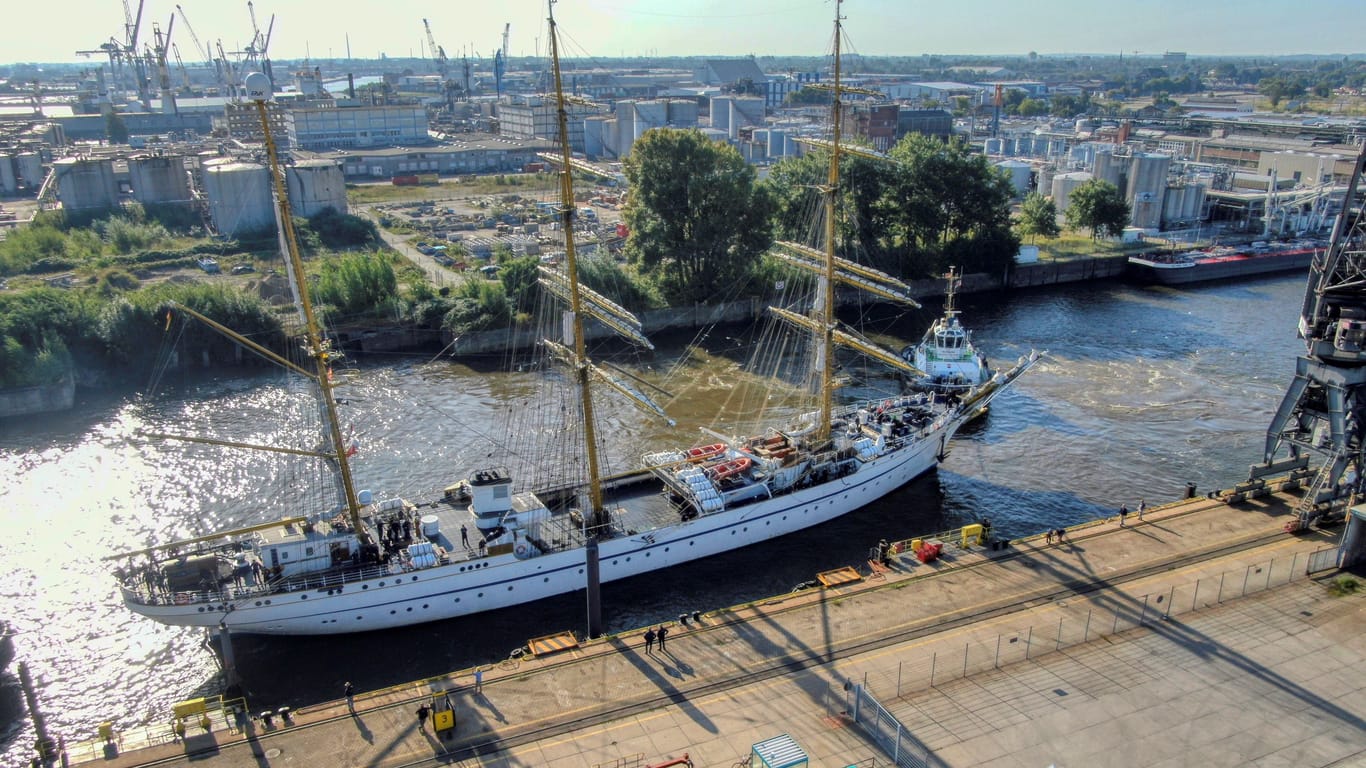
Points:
1085	618
894	738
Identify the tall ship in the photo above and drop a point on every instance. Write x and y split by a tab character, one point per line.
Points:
1223	262
378	563
946	358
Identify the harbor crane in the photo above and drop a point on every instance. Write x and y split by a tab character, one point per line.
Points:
438	53
1323	412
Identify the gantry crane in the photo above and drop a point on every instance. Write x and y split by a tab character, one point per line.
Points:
1324	410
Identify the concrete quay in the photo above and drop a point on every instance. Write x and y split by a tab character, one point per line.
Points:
1190	637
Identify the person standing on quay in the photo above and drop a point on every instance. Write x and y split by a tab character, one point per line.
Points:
650	642
478	679
663	633
1142	507
1123	513
350	697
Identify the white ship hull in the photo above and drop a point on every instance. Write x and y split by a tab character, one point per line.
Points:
473	586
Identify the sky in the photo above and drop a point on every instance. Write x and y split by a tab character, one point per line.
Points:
38	32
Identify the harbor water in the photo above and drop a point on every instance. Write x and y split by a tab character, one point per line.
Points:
1144	390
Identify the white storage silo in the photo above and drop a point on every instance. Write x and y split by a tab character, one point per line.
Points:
9	183
1110	167
1018	172
745	111
1046	179
1147	184
1063	184
315	185
1148	175
682	113
159	179
593	129
1182	204
29	166
777	142
720	114
86	185
626	127
239	197
650	114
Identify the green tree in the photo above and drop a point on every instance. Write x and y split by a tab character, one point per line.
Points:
358	284
698	220
1038	216
1033	108
520	279
948	206
1099	206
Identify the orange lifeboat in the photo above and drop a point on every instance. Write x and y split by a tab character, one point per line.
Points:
704	452
729	468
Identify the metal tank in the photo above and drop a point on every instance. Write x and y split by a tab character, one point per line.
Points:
682	113
745	111
159	179
720	114
626	127
995	146
650	114
29	166
777	142
1183	204
1110	167
1018	172
1046	179
315	185
1063	184
1147	184
9	183
86	185
593	131
239	197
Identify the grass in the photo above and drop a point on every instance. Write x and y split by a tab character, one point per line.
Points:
1071	245
1343	586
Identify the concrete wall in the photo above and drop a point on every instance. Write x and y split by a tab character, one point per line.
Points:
40	399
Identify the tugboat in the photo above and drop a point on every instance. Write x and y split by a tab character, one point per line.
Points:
948	362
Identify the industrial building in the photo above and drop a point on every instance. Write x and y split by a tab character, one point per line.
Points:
318	128
470	154
533	117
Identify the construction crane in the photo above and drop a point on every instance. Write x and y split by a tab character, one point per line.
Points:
1324	408
438	53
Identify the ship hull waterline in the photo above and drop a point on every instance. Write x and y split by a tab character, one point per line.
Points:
1181	274
467	587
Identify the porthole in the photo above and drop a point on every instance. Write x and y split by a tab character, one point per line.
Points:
303	597
509	587
365	586
546	580
410	609
201	609
457	599
267	602
381	583
481	594
258	603
391	613
414	578
424	606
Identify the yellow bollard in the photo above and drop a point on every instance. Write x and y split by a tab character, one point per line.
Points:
973	533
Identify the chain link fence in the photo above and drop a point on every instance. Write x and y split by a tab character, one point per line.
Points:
1085	619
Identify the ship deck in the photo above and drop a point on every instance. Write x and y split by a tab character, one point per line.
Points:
637	505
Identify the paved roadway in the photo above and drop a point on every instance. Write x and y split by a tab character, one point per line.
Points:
1120	647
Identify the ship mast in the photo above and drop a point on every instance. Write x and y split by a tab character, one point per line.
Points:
826	314
259	90
582	370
